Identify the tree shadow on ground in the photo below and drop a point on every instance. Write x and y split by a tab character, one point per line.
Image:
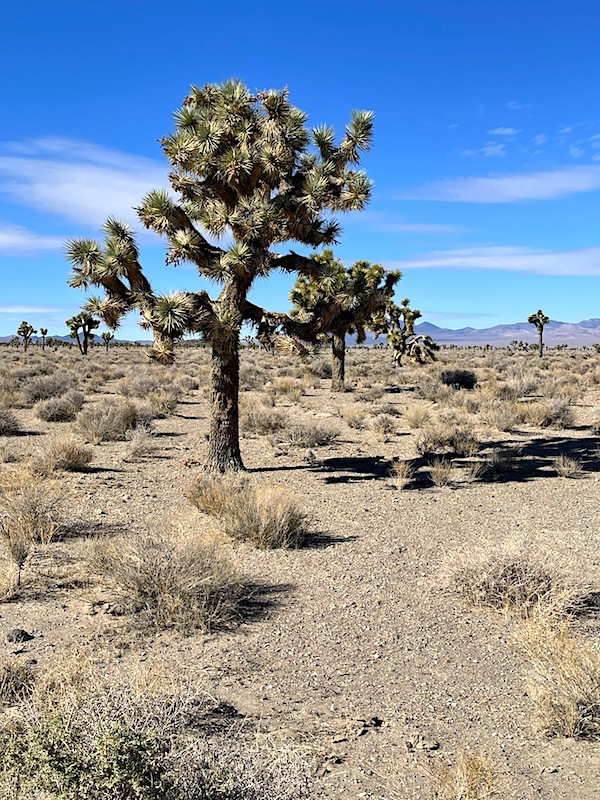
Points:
358	468
259	599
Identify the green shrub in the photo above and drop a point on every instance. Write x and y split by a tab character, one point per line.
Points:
459	378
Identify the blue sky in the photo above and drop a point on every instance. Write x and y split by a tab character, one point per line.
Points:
486	155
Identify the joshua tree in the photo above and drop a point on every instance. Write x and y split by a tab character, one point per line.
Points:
539	319
358	293
43	334
106	338
84	323
26	331
398	323
243	168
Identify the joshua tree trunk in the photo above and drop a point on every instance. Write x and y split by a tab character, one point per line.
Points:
338	362
541	343
224	448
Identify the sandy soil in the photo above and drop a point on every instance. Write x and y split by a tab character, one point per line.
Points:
358	653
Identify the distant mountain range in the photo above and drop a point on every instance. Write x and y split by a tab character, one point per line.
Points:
576	334
555	332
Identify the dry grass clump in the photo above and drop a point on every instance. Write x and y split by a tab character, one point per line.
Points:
471	778
61	455
168	581
164	401
417	416
60	409
9	425
110	420
440	471
503	460
513	580
355	417
141	442
383	425
500	415
16	681
562	680
403	470
266	516
566	467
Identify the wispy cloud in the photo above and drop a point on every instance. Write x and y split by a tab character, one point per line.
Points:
489	150
503	132
514	105
512	188
571	263
540	139
18	241
81	182
385	223
29	310
575	152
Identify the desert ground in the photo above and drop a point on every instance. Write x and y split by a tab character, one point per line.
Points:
387	656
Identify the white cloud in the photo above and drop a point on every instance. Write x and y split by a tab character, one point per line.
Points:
503	132
540	139
514	105
415	227
512	188
510	259
18	241
575	152
82	182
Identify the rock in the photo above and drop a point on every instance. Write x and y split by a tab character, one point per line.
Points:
18	636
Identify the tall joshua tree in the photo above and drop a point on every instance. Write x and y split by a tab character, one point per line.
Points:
43	334
26	331
355	295
84	324
539	319
247	172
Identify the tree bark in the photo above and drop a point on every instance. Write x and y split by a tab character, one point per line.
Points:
338	362
540	342
224	442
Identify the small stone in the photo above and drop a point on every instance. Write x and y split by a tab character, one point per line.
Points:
18	636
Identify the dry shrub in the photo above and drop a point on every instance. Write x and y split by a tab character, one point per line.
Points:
303	435
566	467
448	437
547	414
417	416
61	455
16	681
170	581
500	415
110	420
262	421
9	425
163	401
266	516
43	387
290	387
471	778
60	409
30	513
562	679
503	461
459	378
511	579
383	425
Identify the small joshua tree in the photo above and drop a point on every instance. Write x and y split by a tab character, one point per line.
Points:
26	331
244	167
539	319
107	337
43	334
351	297
398	323
83	323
